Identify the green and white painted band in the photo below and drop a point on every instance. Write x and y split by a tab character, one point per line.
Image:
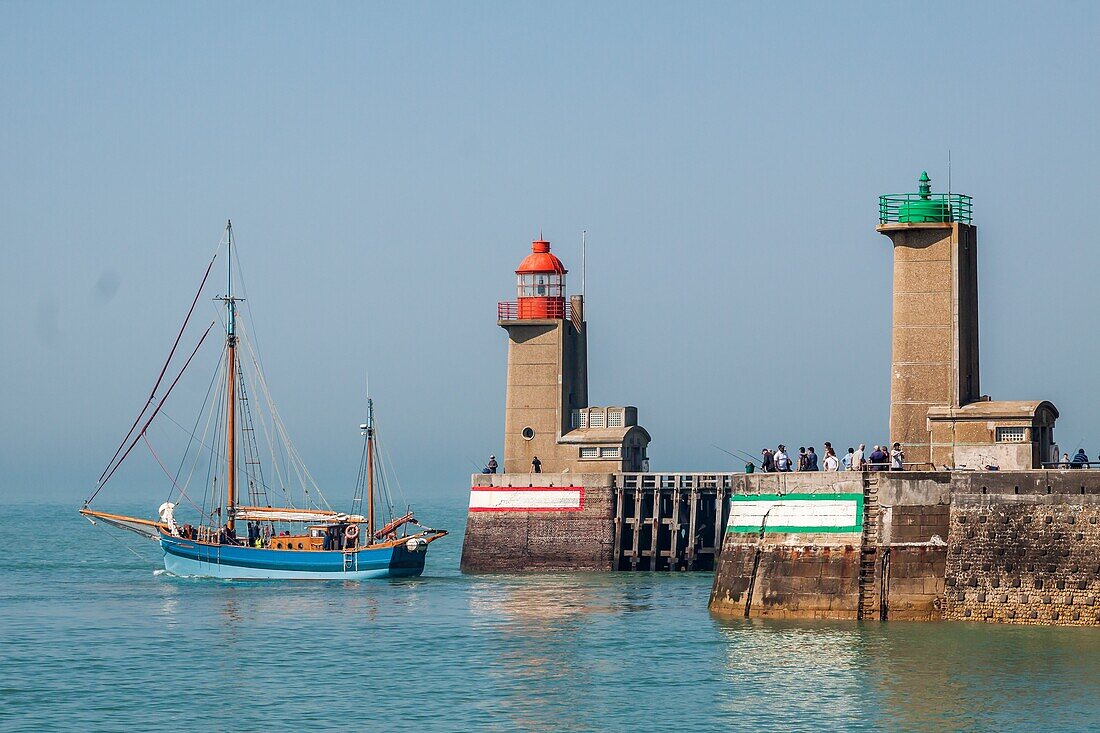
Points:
802	513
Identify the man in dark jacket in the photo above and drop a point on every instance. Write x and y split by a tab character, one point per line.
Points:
878	459
767	461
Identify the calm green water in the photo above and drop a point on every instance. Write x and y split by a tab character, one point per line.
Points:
92	639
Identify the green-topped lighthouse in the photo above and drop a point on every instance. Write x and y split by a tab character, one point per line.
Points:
937	410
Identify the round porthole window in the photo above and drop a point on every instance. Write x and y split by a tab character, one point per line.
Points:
528	433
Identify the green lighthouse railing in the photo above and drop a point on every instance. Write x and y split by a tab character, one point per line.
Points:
905	208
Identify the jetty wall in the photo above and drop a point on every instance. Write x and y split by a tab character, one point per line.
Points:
539	521
595	521
1015	547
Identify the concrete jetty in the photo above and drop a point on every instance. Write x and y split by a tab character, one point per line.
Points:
982	522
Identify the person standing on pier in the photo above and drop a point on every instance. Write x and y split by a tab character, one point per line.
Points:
831	462
811	459
857	458
767	461
782	460
897	458
878	459
536	465
491	466
847	460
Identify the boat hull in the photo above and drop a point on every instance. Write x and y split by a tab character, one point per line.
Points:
193	559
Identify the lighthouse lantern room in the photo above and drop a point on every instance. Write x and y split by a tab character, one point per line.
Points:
540	280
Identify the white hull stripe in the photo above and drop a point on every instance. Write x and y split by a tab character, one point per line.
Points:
796	513
536	499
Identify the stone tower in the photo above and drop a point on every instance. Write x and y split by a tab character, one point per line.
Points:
547	362
937	410
546	411
935	328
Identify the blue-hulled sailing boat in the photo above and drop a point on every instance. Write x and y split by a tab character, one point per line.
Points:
309	541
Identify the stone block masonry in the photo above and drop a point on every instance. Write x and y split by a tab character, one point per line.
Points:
1024	559
1009	547
539	521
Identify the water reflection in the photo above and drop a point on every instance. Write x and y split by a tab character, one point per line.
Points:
908	676
546	660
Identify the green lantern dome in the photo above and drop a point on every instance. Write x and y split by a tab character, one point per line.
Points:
925	209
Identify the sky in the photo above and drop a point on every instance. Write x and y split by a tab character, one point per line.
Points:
386	166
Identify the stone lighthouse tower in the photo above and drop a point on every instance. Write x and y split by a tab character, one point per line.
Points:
547	361
546	407
937	410
935	334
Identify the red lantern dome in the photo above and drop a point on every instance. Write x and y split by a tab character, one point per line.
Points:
540	281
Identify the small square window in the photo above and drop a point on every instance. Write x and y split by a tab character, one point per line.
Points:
1012	435
612	452
595	419
614	418
590	452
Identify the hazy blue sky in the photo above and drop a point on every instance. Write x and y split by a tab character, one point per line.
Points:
387	165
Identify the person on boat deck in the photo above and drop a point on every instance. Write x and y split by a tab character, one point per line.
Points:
536	465
492	464
328	543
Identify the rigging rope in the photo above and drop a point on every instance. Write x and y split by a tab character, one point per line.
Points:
163	371
160	404
191	434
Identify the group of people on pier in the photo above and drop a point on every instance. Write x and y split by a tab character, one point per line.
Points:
880	459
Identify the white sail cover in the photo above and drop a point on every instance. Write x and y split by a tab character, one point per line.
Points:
166	510
287	514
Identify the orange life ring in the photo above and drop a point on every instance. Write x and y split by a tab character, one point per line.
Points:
352	531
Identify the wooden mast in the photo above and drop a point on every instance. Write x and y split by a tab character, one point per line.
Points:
231	391
370	471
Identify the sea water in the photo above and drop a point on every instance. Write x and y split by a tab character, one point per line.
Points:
94	636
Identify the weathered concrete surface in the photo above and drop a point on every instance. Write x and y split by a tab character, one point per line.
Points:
808	581
1017	547
542	540
935	326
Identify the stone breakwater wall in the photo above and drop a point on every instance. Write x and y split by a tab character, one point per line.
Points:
539	521
1012	547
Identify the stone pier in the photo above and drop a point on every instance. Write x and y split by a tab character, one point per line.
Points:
1013	547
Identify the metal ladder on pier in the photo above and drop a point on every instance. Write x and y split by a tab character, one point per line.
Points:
870	580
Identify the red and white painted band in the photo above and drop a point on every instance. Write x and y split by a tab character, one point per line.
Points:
526	498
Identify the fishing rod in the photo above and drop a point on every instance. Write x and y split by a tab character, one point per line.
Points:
743	457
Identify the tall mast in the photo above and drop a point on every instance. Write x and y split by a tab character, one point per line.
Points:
231	391
370	471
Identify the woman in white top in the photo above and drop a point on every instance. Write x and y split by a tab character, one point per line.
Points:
831	463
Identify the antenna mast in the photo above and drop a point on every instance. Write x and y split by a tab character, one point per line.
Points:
949	172
584	262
